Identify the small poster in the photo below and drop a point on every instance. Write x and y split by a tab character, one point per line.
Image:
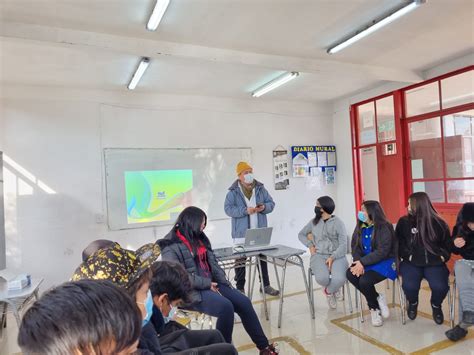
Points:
281	175
329	175
306	159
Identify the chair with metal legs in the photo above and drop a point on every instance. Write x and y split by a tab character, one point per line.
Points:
396	283
345	288
451	301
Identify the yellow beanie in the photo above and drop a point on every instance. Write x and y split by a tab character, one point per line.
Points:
242	166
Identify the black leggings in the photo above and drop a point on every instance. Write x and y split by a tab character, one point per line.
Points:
366	285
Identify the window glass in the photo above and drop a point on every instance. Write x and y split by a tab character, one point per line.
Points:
434	189
369	172
366	123
460	191
457	90
458	144
422	99
385	119
425	149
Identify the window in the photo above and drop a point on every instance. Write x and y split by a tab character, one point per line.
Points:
366	124
385	119
422	99
458	90
441	145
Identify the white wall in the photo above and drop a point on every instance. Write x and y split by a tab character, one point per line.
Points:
55	201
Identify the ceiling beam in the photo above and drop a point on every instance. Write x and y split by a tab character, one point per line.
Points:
158	49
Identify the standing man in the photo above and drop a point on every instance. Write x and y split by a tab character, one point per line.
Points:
248	203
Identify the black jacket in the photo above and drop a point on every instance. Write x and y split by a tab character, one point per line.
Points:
173	249
149	342
384	245
467	251
411	246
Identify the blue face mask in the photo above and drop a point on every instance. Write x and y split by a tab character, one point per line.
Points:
248	178
361	216
148	307
171	315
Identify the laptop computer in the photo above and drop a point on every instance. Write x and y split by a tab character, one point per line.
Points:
255	239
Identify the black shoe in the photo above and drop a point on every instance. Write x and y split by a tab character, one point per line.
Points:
270	291
468	317
438	316
412	310
455	334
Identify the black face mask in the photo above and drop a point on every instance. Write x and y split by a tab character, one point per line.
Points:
318	212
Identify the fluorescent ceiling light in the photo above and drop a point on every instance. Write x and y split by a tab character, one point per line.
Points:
376	26
144	63
157	14
282	79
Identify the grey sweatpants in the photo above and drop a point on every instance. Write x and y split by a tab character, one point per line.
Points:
465	283
333	280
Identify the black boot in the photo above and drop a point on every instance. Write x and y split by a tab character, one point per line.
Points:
412	310
468	317
455	334
438	316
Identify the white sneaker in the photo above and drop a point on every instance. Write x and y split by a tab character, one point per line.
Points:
377	320
237	318
339	295
332	303
383	306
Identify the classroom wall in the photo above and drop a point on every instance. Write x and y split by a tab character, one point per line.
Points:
54	190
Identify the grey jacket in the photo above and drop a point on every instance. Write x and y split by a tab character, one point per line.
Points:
236	207
329	238
173	249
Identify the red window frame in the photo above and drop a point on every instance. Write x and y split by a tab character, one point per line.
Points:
402	137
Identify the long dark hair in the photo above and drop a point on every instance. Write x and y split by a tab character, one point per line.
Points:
327	204
189	224
377	215
375	212
424	216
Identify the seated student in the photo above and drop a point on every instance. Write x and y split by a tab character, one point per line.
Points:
132	271
463	244
171	287
374	257
326	237
424	248
187	244
104	320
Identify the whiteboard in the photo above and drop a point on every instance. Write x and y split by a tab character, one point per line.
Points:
149	187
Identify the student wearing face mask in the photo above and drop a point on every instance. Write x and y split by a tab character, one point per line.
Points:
133	271
212	294
424	245
374	250
171	287
248	203
130	271
326	237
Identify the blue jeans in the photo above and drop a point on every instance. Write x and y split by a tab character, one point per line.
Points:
437	277
223	307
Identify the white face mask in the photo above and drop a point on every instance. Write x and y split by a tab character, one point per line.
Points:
248	178
172	313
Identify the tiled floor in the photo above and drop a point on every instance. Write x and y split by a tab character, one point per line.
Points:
332	331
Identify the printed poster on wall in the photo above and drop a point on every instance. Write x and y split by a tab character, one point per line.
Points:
308	159
281	175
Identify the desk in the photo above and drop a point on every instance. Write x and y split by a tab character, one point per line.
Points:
17	299
229	260
281	256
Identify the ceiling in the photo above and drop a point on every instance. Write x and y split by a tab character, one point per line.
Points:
227	48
